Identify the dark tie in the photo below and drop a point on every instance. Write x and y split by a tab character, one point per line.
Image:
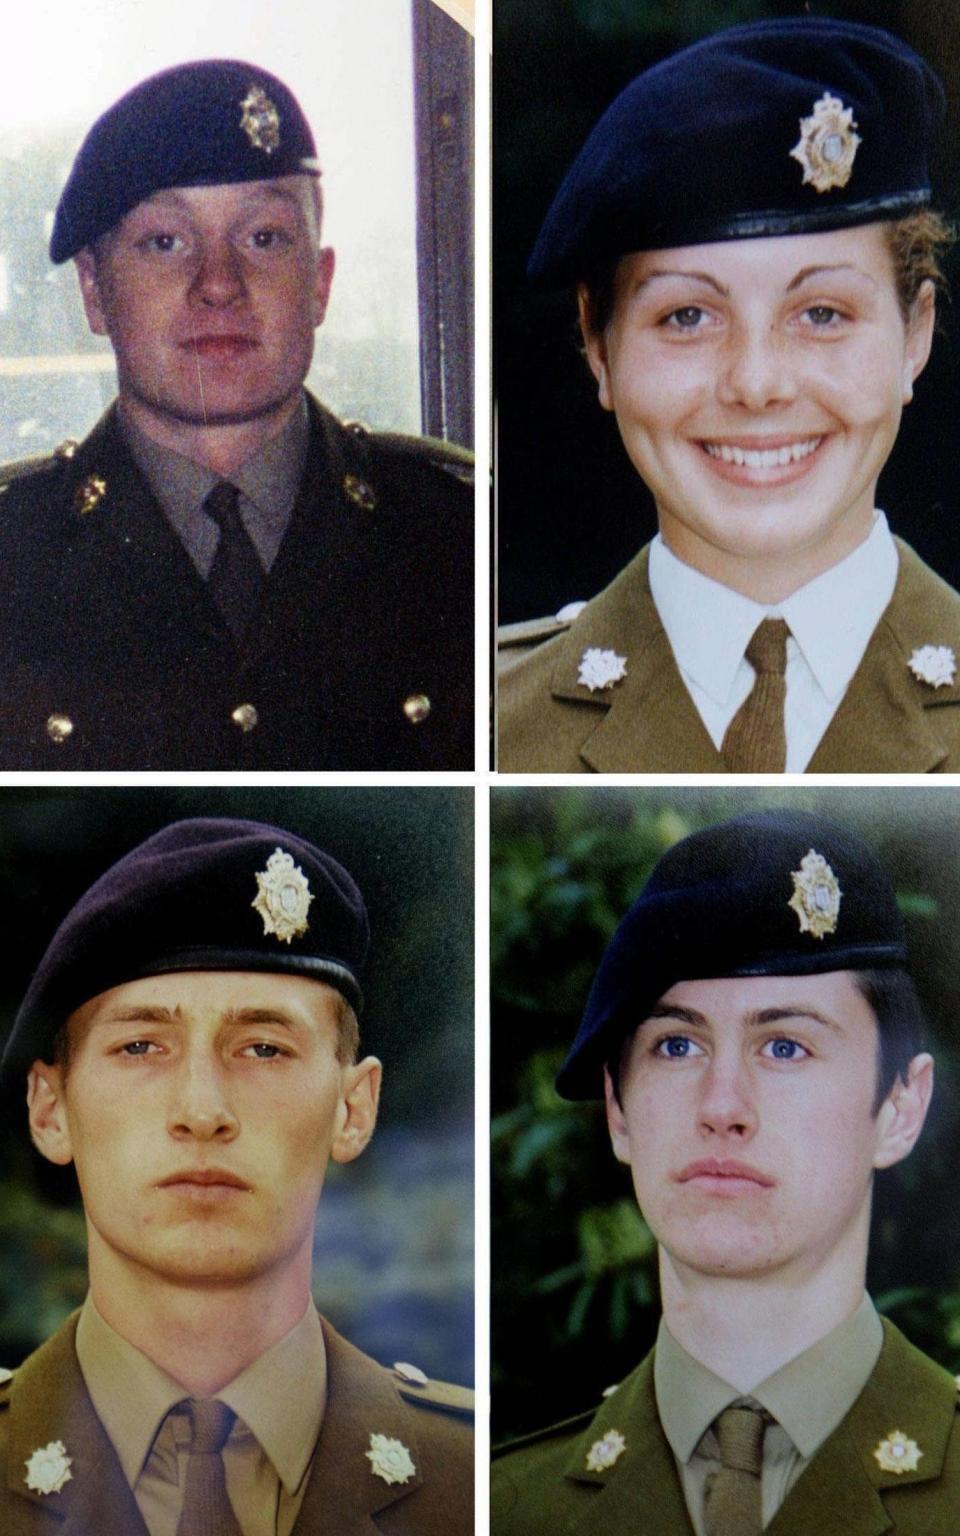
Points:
733	1505
236	575
756	739
206	1508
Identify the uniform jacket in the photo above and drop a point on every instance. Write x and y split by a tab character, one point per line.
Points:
888	721
46	1400
541	1487
106	625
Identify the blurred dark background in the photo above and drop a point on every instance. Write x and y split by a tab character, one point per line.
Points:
394	1254
574	1274
571	509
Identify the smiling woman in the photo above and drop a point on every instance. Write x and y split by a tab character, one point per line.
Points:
755	317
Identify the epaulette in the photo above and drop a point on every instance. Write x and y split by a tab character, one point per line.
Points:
550	1432
415	1387
455	459
529	633
22	469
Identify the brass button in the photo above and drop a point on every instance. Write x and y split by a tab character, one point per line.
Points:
359	492
245	715
66	449
416	708
59	727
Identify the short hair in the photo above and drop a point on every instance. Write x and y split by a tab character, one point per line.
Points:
917	244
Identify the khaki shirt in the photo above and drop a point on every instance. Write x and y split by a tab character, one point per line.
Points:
808	1397
279	1401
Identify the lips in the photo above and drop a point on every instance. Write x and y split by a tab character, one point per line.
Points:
723	1169
219	346
204	1178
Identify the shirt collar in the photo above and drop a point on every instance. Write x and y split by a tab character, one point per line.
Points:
281	1397
809	1396
831	618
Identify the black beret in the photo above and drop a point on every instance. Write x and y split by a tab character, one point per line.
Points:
205	124
708	145
204	895
771	893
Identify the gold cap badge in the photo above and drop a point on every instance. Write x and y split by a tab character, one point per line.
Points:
390	1459
898	1453
261	120
283	897
48	1468
816	895
606	1452
827	144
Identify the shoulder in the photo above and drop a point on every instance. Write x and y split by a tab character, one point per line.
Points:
922	598
25	478
379	466
517	641
435	1396
417	453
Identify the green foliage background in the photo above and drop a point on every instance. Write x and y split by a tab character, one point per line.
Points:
574	1280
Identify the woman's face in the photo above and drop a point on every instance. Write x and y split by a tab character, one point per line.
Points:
758	386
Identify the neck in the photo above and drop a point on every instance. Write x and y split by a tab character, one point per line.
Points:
202	1336
766	578
744	1330
220	448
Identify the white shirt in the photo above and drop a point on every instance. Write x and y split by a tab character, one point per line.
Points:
831	620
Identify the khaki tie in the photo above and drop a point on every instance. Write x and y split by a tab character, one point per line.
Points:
733	1503
236	575
756	739
207	1510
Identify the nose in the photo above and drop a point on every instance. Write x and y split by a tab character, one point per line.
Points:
200	1107
219	279
757	371
727	1106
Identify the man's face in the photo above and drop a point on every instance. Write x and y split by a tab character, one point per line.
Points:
210	297
201	1110
747	1122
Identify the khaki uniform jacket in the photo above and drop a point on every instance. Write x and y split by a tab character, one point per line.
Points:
48	1401
541	1486
889	721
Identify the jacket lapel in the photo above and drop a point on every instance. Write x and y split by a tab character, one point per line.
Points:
49	1402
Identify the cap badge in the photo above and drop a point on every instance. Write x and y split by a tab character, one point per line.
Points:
816	895
48	1468
827	145
898	1453
933	664
390	1459
604	1453
283	897
600	668
261	120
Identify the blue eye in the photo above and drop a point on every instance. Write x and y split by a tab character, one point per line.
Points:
676	1047
136	1048
785	1050
263	1050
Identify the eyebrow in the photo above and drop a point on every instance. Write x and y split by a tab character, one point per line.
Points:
757	1018
148	1013
806	273
697	277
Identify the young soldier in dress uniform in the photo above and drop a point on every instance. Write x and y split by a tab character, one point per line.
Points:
223	575
756	1036
190	1043
749	228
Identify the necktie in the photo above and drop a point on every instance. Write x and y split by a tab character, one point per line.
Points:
206	1508
236	575
733	1504
756	739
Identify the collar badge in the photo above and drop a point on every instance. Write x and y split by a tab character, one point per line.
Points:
933	664
605	1452
898	1453
283	897
90	494
390	1459
261	120
48	1468
601	669
816	895
827	144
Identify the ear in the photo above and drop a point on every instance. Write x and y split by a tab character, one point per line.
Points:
616	1121
903	1112
326	262
595	346
357	1111
86	265
919	337
48	1119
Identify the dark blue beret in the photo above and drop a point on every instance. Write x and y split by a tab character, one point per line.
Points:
196	125
709	145
771	893
204	895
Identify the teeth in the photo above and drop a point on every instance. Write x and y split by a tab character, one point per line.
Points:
763	458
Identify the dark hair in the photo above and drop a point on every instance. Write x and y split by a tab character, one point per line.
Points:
896	1007
916	244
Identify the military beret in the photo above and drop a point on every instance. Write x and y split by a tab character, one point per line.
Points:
204	124
203	895
770	893
772	128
